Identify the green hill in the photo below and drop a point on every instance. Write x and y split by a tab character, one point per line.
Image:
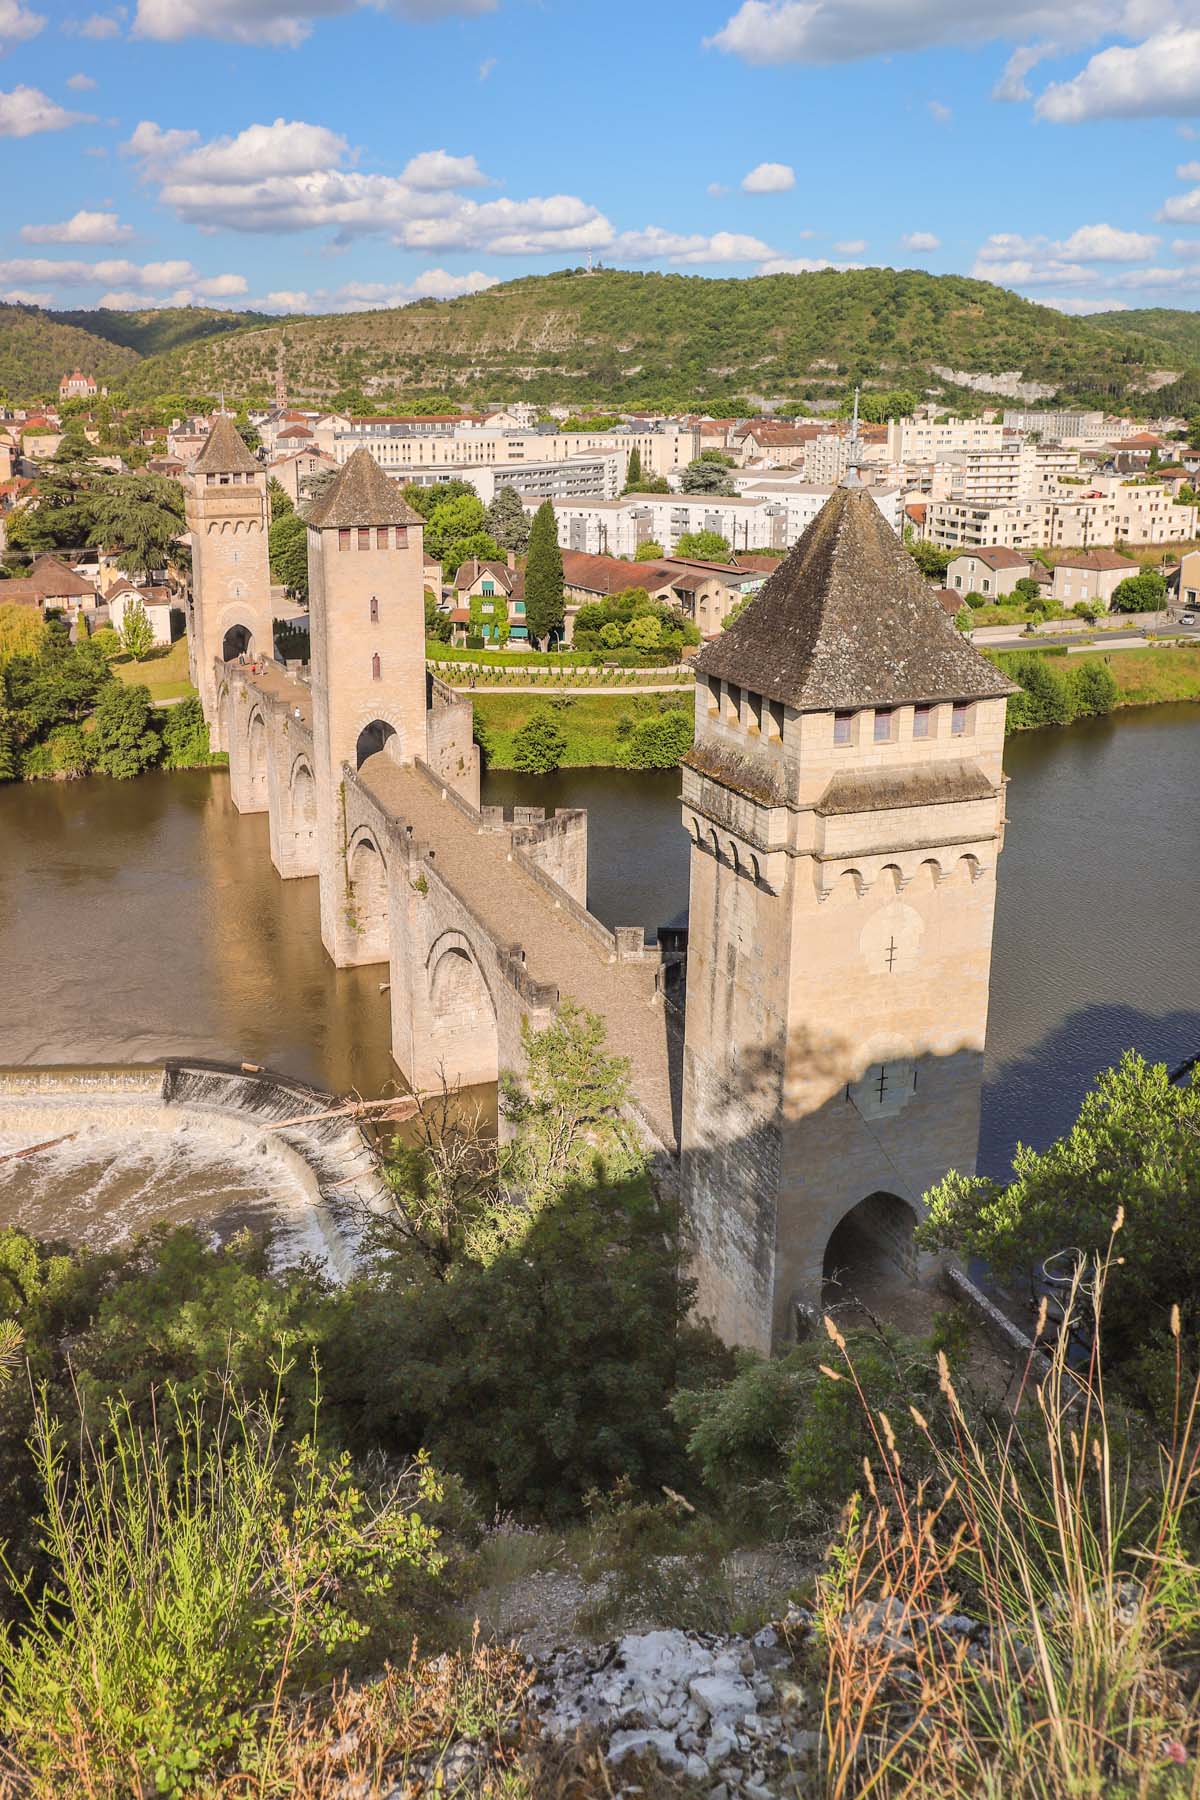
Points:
162	328
635	338
1169	327
37	348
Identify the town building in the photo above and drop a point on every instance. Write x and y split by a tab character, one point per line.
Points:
403	445
78	386
993	571
51	586
1056	425
1090	575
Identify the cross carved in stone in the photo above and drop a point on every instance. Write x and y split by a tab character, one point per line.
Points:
893	950
881	1084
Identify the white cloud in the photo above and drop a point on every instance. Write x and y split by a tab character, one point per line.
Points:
142	278
1012	84
718	189
282	23
1148	80
1076	305
940	113
833	31
221	287
1013	260
653	244
25	296
81	228
436	169
359	296
80	83
1186	249
769	178
802	265
851	246
292	176
921	242
26	110
1106	243
96	26
18	24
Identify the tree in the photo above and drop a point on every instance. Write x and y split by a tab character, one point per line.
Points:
315	485
437	624
477	544
287	548
1092	687
185	739
648	551
1135	1146
1146	592
123	740
706	477
1027	590
138	516
23	632
660	743
877	408
278	499
540	744
633	471
137	633
425	499
545	606
451	519
931	559
1043	699
704	546
507	520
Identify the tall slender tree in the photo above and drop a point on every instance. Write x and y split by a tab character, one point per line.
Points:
633	473
544	604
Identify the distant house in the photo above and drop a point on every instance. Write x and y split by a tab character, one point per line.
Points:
705	592
498	593
1091	575
156	601
52	586
992	570
294	472
77	386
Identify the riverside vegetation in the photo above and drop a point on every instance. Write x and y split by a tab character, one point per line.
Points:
232	1498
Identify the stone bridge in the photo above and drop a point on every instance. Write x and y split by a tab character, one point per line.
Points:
480	919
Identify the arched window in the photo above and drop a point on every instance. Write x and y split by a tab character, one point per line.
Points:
376	667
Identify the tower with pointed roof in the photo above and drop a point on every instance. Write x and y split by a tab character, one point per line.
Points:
367	635
844	798
230	611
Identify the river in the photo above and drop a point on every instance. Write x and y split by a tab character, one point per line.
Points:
143	919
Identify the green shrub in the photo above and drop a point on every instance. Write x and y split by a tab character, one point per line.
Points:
1043	699
540	745
659	743
65	753
185	736
1093	688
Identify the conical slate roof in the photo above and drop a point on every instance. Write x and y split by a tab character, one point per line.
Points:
224	451
847	620
361	494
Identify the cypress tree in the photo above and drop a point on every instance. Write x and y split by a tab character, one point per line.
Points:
633	473
544	605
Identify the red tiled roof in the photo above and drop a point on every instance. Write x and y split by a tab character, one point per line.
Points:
1097	559
994	556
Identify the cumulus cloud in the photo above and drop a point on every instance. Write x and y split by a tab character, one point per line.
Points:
282	23
921	242
1148	80
802	265
1012	84
833	31
653	244
435	169
96	26
80	83
769	178
851	246
1077	305
718	189
81	228
27	110
1013	260
18	24
139	278
25	296
361	296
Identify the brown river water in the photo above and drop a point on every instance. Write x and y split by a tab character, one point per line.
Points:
143	919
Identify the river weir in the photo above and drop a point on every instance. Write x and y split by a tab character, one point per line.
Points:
97	1155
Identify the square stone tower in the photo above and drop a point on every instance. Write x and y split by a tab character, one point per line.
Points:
225	499
367	634
845	803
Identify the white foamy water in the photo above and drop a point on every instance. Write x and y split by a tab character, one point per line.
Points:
107	1165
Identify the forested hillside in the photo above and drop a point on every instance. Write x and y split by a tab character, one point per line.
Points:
161	328
37	348
675	339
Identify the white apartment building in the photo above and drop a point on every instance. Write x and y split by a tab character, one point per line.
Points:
578	477
1057	425
929	440
1124	515
398	449
771	518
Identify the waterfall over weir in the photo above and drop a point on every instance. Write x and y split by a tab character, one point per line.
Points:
115	1150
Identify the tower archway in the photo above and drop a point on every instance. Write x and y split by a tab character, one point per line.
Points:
871	1251
238	641
372	739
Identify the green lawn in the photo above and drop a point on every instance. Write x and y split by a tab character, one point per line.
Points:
164	672
590	722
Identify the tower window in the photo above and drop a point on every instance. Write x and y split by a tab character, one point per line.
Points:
374	609
376	668
921	717
883	725
843	727
958	719
343	539
364	537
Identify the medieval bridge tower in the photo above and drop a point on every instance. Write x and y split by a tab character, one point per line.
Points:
845	803
226	507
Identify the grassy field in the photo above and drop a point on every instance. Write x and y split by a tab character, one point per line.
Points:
164	672
1148	677
590	722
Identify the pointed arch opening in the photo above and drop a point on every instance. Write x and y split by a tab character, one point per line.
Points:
372	739
871	1251
237	642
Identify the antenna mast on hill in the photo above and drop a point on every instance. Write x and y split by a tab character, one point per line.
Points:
280	383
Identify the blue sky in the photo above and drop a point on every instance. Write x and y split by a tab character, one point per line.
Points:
330	154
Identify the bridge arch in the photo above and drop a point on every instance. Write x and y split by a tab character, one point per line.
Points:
302	790
869	1250
256	762
463	1029
367	884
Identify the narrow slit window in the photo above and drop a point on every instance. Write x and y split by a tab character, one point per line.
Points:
843	727
376	668
374	609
